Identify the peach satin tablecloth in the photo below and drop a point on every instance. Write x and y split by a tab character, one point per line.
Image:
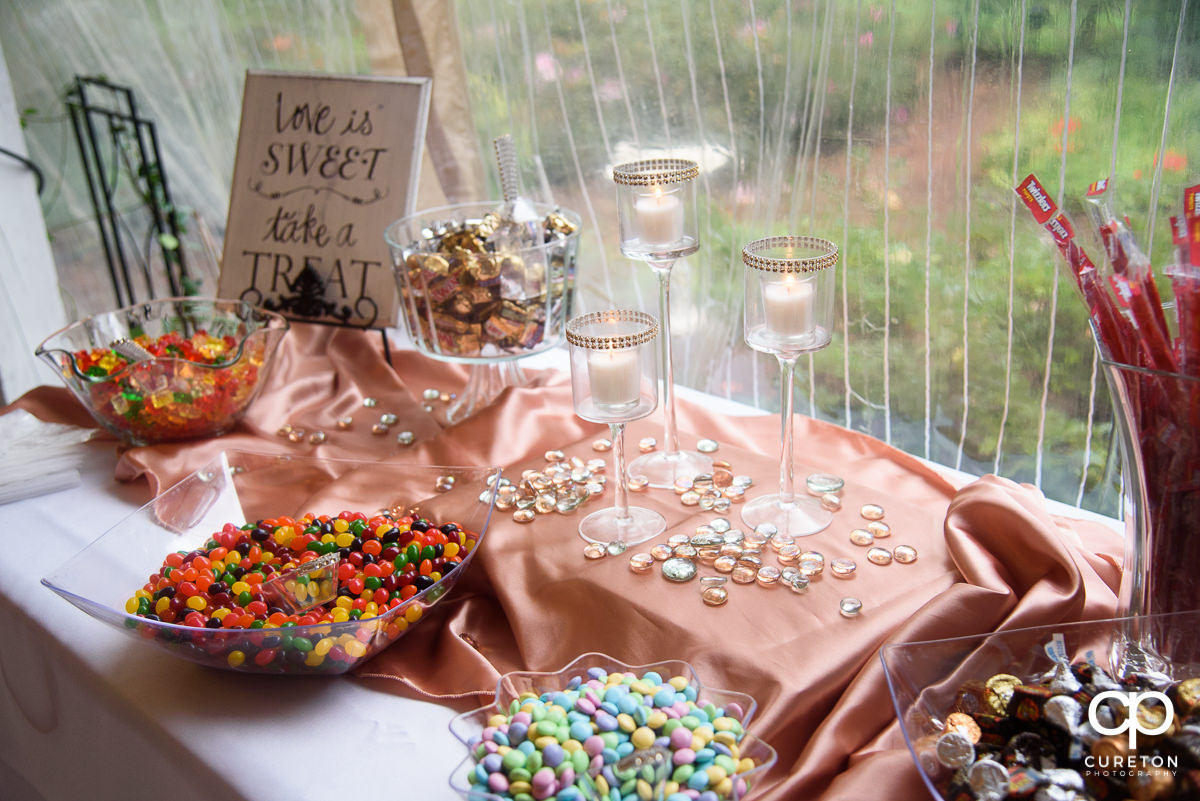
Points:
991	557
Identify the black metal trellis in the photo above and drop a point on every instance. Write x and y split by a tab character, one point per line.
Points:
125	174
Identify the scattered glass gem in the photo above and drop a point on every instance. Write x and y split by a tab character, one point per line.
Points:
831	502
879	556
406	438
602	445
734	537
595	550
767	530
733	549
637	483
379	428
596	465
544	503
816	556
714	596
721	525
788	573
682	485
722	477
554	456
743	573
616	548
430	394
686	550
850	607
704	481
713	581
446	397
810	567
871	511
345	422
679	569
295	435
734	494
788	554
798	584
706	556
779	541
444	483
752	560
862	537
754	539
284	430
388	419
743	482
843	568
879	528
768	576
707	446
706	539
724	564
647	444
905	554
708	500
316	437
370	403
824	483
721	505
678	539
661	552
690	498
524	516
428	407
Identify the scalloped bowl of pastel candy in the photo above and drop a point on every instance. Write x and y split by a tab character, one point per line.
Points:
1011	714
600	729
284	564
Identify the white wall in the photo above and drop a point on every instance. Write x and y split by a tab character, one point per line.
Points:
30	306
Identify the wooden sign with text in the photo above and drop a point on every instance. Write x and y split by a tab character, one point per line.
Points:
324	165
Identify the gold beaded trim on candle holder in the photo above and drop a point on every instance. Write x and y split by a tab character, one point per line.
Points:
799	264
656	171
576	337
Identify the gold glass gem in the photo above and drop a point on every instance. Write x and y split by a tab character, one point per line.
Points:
595	550
871	511
743	573
682	485
678	539
842	568
296	435
714	596
690	498
345	422
284	430
724	564
862	537
554	456
707	556
850	607
637	483
831	502
810	567
788	554
524	516
767	576
316	437
686	550
753	560
602	445
379	428
905	554
879	556
879	528
444	483
647	444
815	556
661	552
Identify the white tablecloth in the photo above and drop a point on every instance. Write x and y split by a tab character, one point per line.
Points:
88	713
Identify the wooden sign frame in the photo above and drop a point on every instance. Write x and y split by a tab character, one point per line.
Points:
324	164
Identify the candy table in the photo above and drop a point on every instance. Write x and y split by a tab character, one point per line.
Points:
86	712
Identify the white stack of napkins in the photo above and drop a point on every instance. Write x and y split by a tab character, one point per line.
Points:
37	457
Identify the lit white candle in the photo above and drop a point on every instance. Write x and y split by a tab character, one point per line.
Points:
658	217
789	306
615	376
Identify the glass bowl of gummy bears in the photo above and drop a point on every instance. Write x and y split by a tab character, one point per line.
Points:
167	370
1083	710
285	564
599	729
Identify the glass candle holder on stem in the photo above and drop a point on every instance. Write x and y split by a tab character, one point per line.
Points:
789	283
614	380
656	212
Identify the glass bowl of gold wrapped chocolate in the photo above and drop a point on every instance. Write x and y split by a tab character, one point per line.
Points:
477	285
1104	709
485	284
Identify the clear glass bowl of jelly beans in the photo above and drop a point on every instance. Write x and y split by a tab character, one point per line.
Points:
282	564
602	729
167	370
1095	710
